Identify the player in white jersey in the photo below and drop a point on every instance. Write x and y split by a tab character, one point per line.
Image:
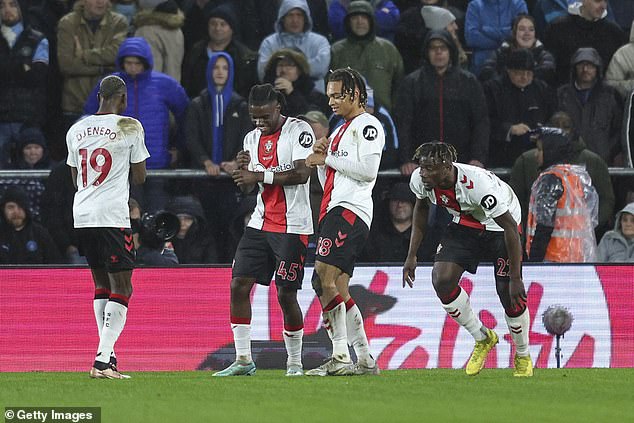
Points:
275	239
348	164
102	150
486	216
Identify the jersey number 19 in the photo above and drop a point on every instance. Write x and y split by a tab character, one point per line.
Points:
100	161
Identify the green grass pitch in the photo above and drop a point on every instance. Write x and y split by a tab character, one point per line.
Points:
552	395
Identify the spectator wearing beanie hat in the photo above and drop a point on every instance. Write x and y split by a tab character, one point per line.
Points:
222	27
441	18
517	104
32	150
23	241
160	23
31	154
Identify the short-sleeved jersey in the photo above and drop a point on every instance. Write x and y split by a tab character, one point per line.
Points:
354	140
101	148
475	200
284	209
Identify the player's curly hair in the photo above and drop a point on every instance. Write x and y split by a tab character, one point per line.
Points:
350	79
437	152
111	85
261	95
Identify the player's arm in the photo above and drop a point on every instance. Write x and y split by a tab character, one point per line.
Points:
73	172
514	249
419	228
246	179
138	172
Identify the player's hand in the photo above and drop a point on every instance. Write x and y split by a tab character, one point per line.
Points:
409	271
244	177
408	168
211	168
519	129
517	293
283	85
321	145
243	158
315	159
229	167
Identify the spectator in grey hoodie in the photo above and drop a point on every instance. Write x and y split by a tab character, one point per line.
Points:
617	246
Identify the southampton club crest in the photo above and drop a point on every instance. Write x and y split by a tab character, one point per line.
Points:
268	146
444	199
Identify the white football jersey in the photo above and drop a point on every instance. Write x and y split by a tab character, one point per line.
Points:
477	197
354	140
101	148
284	209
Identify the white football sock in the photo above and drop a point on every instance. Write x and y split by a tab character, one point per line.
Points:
115	317
242	341
335	322
98	306
518	328
293	342
460	310
356	335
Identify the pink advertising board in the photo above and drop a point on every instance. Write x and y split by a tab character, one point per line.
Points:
179	319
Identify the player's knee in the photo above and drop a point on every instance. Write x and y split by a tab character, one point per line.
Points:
286	297
316	282
240	288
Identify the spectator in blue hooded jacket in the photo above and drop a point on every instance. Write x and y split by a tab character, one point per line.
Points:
152	96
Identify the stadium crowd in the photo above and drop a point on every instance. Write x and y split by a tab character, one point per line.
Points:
482	75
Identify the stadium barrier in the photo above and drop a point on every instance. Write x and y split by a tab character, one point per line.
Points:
179	319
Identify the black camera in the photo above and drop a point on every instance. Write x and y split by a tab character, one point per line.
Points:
156	228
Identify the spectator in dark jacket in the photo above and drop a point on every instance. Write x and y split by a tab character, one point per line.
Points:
23	241
217	122
289	72
222	26
517	103
584	26
389	237
595	107
57	212
32	154
193	244
151	97
442	102
412	28
386	16
522	36
24	57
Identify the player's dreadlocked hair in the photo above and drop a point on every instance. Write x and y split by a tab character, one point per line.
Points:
110	86
350	79
261	95
437	152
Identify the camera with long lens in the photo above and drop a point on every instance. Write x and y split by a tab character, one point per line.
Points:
156	228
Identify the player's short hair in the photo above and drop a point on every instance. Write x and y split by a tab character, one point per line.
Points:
437	152
111	85
350	79
261	95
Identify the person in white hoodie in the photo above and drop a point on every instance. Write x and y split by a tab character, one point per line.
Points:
617	246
